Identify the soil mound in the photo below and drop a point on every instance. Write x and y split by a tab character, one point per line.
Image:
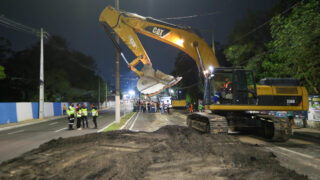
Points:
172	152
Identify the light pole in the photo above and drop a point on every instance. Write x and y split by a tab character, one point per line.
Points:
41	88
99	95
117	111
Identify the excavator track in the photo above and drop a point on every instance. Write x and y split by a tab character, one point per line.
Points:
271	128
208	123
276	128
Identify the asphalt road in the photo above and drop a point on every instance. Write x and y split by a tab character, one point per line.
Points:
153	121
16	141
299	155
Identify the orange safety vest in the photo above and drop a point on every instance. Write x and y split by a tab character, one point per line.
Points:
226	84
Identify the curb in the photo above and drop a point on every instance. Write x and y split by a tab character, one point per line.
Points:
101	130
37	121
128	121
106	127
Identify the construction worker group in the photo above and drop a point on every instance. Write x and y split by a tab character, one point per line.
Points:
81	114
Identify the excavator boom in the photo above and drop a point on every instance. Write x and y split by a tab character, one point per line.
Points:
127	25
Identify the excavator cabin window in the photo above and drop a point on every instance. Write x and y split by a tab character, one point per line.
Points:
231	86
221	88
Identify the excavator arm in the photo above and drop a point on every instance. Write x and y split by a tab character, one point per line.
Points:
127	25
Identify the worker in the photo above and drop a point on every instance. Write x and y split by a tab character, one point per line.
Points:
78	113
216	98
64	109
161	107
144	106
200	107
84	116
227	89
191	108
94	113
134	104
227	85
70	113
167	107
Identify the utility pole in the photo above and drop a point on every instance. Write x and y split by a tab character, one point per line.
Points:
117	111
99	95
213	47
41	88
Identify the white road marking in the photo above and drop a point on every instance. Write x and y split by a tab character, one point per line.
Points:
53	123
60	130
128	121
134	121
166	119
105	127
295	152
16	132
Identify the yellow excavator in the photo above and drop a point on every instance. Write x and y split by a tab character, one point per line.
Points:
233	101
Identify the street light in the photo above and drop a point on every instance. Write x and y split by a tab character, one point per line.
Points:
132	93
211	69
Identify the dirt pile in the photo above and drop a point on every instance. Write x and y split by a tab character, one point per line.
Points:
172	152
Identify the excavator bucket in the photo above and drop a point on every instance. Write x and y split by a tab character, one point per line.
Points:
153	82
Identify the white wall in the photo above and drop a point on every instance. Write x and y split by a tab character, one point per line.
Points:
24	111
48	109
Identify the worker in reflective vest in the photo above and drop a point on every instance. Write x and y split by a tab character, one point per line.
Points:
94	113
84	114
227	86
79	117
71	113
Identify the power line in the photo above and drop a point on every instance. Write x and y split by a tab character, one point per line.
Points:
265	23
20	27
255	29
191	16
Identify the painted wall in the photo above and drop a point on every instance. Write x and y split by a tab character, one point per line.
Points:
8	113
24	111
21	111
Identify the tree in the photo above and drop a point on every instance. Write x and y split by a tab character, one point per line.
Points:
69	74
247	41
295	45
5	52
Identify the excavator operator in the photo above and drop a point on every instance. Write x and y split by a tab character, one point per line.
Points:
227	89
227	86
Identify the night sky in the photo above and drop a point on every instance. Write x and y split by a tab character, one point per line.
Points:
77	21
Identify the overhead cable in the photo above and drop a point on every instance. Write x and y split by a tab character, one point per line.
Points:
191	16
265	23
20	27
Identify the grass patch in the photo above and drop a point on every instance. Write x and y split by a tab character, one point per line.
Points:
123	120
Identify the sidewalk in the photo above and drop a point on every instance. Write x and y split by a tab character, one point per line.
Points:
307	134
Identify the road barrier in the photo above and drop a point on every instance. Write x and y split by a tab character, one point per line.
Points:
13	112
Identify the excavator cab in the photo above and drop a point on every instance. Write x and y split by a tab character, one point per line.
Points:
229	86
